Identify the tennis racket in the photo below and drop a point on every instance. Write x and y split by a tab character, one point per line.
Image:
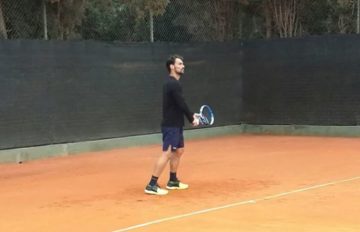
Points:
206	116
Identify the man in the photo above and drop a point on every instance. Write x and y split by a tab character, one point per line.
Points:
174	109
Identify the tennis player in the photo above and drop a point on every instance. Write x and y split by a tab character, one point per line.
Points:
174	109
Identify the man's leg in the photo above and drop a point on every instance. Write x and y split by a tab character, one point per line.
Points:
176	156
152	187
161	162
174	183
175	159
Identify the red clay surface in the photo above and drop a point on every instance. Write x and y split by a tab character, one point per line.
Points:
103	191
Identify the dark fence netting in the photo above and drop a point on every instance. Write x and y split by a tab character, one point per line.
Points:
59	92
68	91
309	81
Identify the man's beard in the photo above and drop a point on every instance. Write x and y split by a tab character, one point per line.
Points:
180	73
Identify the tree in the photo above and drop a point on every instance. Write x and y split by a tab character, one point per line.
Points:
316	18
23	18
196	19
286	16
3	32
144	8
124	20
109	22
174	20
64	17
211	20
258	20
268	19
165	28
345	15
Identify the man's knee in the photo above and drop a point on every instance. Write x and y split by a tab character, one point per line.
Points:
179	151
167	153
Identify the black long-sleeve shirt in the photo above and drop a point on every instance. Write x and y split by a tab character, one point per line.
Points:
174	105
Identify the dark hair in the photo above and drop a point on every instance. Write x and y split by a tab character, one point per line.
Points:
171	60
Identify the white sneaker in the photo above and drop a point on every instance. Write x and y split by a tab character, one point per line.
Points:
176	185
155	190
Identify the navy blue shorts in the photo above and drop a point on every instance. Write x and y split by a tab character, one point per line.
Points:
172	136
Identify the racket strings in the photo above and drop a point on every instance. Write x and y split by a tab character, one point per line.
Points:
204	120
205	117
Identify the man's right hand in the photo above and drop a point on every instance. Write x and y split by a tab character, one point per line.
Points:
196	120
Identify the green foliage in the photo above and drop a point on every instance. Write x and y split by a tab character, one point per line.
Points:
165	27
319	11
143	7
174	20
124	20
20	21
114	22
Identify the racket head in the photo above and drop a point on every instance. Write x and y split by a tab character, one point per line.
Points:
206	115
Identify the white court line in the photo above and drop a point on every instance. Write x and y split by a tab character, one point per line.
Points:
237	204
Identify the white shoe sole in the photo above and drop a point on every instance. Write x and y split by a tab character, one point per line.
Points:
178	188
155	193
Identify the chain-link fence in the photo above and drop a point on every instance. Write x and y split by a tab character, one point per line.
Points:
175	20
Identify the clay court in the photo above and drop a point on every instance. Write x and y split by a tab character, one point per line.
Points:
237	183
